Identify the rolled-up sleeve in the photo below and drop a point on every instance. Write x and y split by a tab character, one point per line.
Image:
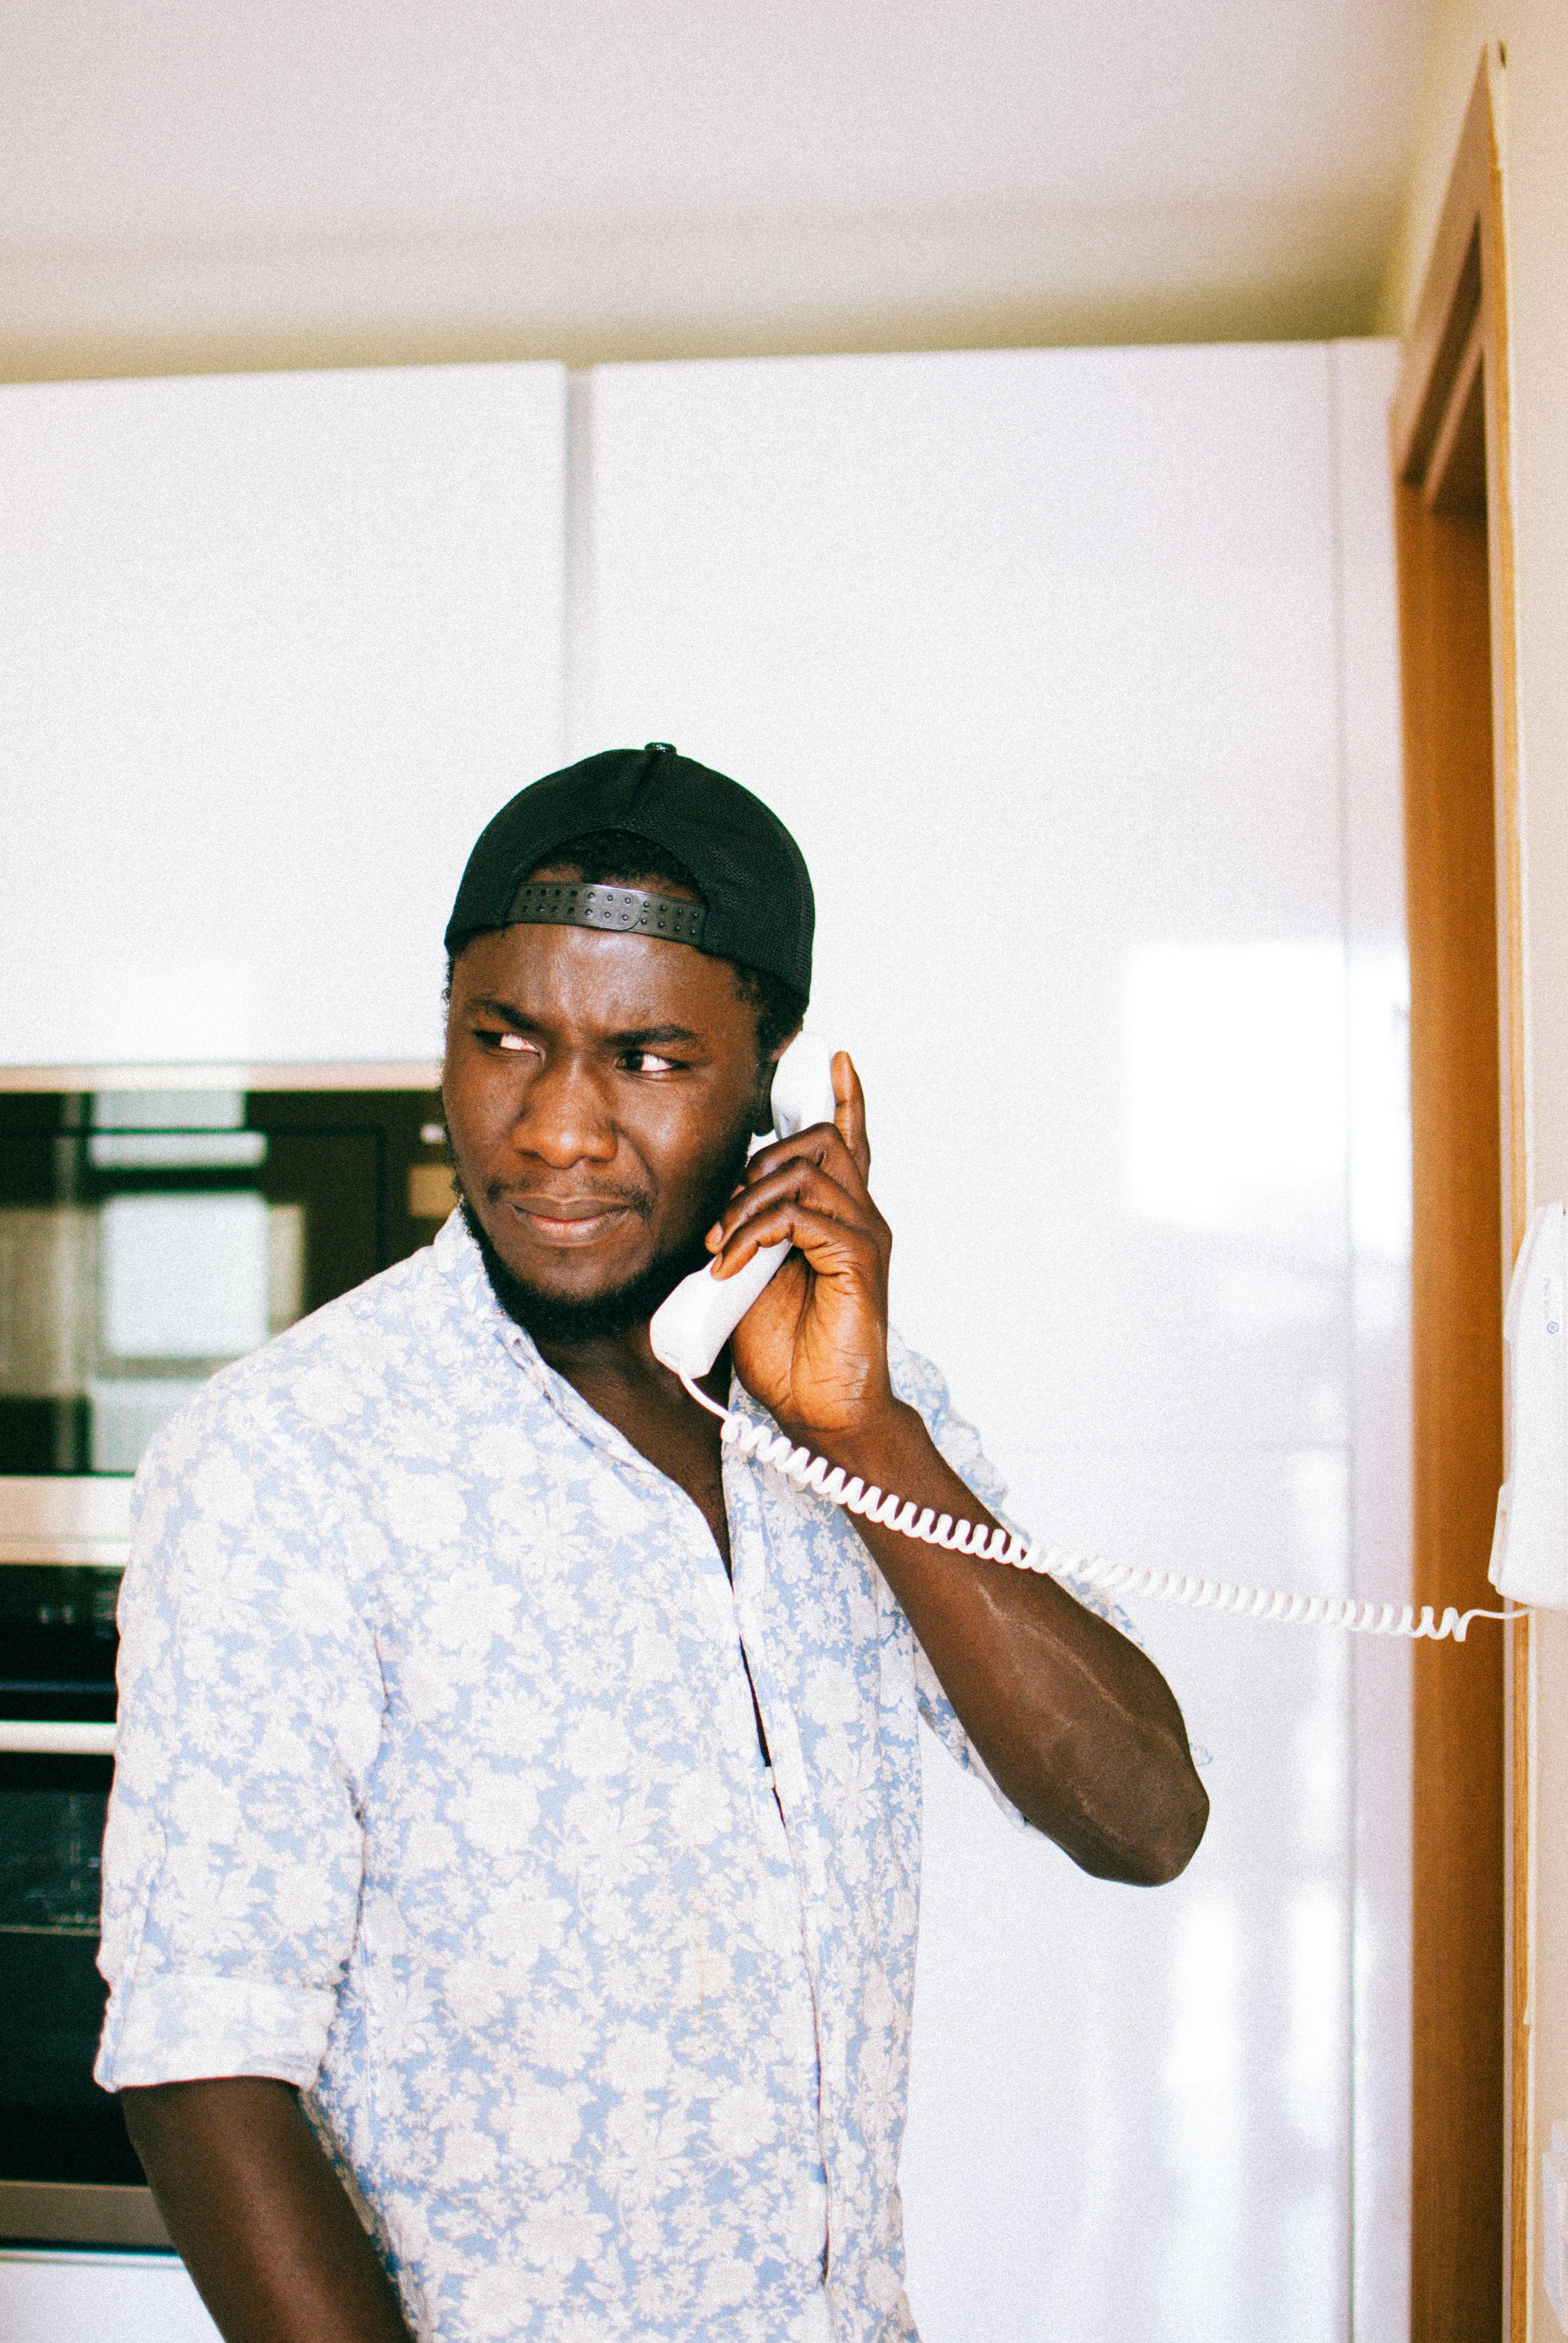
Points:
249	1715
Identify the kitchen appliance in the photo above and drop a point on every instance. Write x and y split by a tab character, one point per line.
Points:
154	1224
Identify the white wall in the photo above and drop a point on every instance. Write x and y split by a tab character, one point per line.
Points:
272	649
1059	665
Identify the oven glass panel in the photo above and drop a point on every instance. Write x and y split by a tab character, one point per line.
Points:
148	1238
58	1642
54	2122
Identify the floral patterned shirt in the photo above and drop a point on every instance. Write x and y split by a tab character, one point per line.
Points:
439	1794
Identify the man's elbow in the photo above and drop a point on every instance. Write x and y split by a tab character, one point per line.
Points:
1155	1847
1178	1833
1140	1828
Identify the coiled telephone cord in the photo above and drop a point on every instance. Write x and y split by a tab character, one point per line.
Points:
1101	1577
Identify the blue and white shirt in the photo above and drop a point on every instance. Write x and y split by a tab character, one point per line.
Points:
438	1794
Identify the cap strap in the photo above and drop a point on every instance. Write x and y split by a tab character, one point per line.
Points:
629	910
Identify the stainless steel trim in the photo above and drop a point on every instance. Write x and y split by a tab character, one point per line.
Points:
75	2212
41	1736
99	1554
65	1518
366	1074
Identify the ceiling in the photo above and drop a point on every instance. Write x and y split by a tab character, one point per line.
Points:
267	181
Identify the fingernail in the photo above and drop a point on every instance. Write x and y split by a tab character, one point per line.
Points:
714	1236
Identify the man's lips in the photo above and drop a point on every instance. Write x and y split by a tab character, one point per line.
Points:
566	1219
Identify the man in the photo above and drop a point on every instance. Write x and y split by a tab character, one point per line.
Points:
513	1867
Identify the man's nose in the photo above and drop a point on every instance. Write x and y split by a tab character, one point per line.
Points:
564	1119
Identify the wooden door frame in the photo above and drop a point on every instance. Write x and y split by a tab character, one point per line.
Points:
1456	360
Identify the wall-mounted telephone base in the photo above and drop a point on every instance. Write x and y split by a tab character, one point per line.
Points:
1530	1547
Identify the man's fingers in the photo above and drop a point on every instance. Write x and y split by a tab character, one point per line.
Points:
820	1142
804	1182
829	1244
849	1112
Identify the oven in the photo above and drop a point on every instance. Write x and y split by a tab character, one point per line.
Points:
155	1225
67	2172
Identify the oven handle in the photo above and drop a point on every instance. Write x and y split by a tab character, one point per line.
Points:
45	1738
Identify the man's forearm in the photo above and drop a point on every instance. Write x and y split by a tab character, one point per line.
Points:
275	2247
1078	1727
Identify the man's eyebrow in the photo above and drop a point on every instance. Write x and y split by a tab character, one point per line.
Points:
636	1037
505	1014
649	1037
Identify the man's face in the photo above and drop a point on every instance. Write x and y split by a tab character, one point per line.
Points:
599	1091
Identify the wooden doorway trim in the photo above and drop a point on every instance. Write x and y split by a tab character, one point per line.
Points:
1471	1919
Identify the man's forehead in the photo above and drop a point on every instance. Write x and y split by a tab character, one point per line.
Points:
592	978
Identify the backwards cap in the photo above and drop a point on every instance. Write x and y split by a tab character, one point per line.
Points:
756	905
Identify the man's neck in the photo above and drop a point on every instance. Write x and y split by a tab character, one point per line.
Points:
620	1359
626	1362
626	1357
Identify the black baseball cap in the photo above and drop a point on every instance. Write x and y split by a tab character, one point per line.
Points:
756	905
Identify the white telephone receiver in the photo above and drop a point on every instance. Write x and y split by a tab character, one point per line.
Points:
688	1331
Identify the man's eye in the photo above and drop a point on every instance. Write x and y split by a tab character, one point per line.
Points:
649	1061
515	1042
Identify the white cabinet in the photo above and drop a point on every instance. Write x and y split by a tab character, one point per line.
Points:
1074	674
1040	654
1035	652
46	2297
273	648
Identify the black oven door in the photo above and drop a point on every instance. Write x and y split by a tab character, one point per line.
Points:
69	2174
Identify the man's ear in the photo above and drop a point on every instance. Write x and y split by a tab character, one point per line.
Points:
762	1109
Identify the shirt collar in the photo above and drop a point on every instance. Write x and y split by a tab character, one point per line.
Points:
459	1259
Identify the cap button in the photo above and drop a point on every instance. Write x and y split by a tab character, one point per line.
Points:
659	748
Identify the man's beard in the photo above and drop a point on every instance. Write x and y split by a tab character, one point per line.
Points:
558	1319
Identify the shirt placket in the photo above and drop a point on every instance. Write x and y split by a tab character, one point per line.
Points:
696	1540
802	1841
779	1801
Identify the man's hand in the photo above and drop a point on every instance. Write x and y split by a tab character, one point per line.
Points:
1077	1727
813	1346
